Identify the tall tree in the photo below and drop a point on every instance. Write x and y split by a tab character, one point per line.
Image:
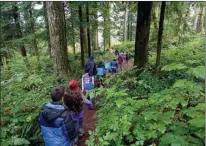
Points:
57	29
200	20
142	33
88	30
126	21
81	34
18	30
106	23
47	28
95	27
73	34
96	42
159	42
32	22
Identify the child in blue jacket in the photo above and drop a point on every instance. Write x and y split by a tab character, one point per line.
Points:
58	126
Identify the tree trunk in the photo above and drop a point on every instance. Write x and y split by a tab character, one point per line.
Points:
47	28
57	28
88	30
199	21
159	42
142	33
154	17
131	30
81	35
126	22
65	36
18	30
104	34
197	11
73	34
96	30
32	22
109	33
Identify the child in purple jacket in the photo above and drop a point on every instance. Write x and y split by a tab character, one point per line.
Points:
73	87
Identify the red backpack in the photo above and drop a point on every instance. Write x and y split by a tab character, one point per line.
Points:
120	59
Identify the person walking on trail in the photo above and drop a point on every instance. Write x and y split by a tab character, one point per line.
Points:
116	52
90	67
124	57
107	66
100	70
127	57
87	82
56	122
74	102
120	61
73	87
114	66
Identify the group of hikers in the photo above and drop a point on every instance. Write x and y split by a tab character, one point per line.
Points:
61	120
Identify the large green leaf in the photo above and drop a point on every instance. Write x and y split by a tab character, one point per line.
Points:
173	66
198	72
198	122
21	141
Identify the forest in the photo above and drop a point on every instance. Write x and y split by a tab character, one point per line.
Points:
157	100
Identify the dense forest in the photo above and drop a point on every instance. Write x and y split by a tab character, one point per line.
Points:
157	101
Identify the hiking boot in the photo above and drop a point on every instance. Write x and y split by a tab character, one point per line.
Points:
81	131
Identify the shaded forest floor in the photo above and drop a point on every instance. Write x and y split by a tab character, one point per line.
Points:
90	117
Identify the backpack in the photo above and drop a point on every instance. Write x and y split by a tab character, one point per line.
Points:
86	68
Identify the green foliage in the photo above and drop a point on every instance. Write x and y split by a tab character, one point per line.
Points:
146	109
24	91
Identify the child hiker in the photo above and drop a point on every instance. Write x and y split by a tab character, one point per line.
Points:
120	61
73	88
114	66
100	70
107	65
56	123
87	82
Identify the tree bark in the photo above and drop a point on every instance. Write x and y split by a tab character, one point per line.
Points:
142	33
47	28
159	42
55	11
126	22
88	30
81	35
18	30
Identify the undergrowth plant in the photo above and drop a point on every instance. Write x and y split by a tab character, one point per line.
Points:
163	110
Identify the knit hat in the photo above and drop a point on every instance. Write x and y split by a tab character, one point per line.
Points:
73	85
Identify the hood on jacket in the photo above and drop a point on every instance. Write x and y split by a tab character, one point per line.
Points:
52	111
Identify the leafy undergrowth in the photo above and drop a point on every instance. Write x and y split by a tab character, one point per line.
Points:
150	110
23	92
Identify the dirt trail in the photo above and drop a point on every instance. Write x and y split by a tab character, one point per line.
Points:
90	118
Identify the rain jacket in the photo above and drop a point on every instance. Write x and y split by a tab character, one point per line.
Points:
90	67
57	126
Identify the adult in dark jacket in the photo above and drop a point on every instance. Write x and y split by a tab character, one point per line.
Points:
57	125
90	67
